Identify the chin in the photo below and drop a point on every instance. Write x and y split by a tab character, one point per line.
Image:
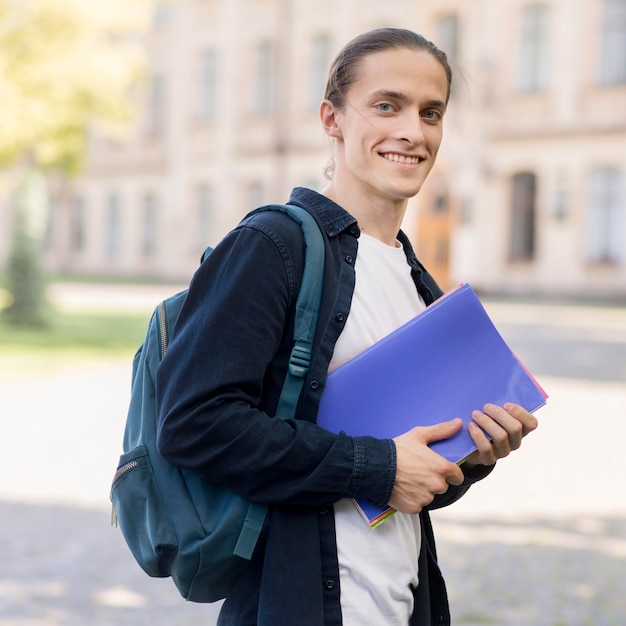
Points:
406	193
406	189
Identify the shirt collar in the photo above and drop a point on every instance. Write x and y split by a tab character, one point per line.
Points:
331	216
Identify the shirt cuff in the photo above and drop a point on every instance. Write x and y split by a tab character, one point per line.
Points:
374	472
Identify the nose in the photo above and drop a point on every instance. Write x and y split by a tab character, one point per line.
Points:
412	131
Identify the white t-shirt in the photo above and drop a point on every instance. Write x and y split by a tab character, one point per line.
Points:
377	566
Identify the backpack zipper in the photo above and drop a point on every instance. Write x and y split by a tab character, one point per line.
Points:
127	467
162	329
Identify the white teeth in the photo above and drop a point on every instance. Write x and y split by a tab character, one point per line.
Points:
398	158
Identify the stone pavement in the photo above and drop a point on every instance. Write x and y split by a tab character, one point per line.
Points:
541	542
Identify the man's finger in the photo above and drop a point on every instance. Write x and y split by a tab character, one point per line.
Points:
443	430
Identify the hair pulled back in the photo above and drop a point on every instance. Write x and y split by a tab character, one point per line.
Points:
344	70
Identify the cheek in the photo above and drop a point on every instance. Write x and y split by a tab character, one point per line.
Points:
434	139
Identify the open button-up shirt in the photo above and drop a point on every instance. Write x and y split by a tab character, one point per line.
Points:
218	389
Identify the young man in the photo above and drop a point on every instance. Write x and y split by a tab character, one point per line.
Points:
319	563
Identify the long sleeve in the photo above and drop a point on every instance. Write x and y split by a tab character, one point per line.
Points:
219	383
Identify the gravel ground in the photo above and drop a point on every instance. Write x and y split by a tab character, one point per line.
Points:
64	566
541	542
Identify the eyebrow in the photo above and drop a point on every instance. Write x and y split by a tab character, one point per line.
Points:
402	97
387	93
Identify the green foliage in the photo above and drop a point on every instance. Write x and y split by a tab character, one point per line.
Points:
26	284
25	277
65	64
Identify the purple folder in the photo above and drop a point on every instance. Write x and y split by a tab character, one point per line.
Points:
442	364
446	362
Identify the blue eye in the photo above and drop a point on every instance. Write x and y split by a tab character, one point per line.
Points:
432	115
385	107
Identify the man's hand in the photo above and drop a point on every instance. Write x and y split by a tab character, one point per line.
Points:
506	426
421	474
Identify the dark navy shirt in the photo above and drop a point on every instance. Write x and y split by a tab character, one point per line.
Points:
217	392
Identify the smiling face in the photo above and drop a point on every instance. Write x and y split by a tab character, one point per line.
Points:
388	132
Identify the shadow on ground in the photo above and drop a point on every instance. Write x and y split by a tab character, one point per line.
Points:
69	567
568	571
66	566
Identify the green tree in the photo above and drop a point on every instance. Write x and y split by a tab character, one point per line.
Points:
66	67
24	272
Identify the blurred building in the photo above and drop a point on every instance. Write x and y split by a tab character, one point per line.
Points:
529	194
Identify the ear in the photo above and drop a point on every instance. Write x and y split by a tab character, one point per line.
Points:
328	117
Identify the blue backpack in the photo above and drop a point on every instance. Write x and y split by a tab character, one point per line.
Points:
176	523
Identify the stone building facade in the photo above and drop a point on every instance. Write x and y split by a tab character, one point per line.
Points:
529	193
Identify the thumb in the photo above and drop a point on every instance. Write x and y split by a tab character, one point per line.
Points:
442	430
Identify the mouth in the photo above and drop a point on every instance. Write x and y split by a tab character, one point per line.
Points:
401	158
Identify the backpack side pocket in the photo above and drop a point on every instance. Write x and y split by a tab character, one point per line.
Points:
141	513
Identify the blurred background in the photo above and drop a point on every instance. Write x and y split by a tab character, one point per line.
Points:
134	134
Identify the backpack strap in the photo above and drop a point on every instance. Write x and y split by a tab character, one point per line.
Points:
307	309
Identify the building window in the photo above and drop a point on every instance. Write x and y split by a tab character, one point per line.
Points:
612	70
204	217
320	59
156	106
262	96
448	37
522	238
207	85
112	229
606	229
440	203
561	202
149	231
161	14
77	225
440	198
255	195
533	65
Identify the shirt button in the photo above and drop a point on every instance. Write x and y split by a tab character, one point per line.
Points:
340	317
323	511
330	584
349	259
315	384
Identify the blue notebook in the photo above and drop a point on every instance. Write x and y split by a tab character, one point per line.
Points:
446	362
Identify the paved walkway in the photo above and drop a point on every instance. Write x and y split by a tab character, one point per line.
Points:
542	542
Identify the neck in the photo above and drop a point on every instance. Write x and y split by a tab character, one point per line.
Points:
376	217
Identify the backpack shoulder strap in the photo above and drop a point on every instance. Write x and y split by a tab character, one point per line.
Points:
307	308
307	304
